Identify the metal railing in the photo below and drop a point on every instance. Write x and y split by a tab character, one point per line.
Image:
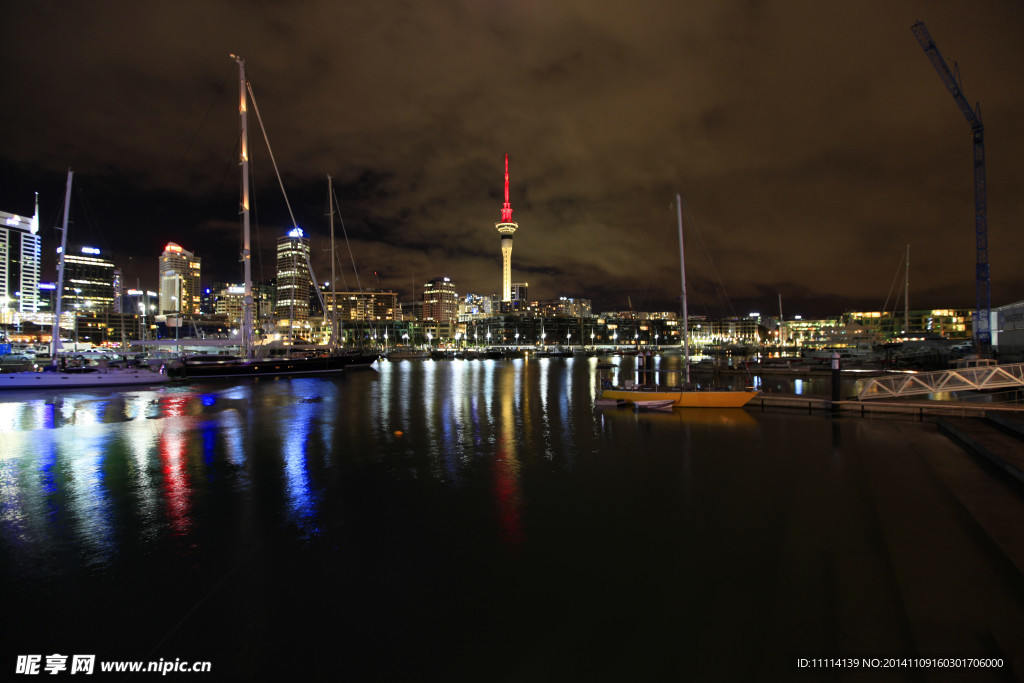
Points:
958	379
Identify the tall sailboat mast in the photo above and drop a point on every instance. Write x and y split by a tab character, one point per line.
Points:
906	295
334	293
682	275
247	302
55	336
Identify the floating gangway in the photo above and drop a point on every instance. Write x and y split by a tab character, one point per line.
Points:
972	378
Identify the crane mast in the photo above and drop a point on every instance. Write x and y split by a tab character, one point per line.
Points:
983	288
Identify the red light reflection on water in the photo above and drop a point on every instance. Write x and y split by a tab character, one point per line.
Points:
508	496
172	456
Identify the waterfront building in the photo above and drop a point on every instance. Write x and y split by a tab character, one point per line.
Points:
20	251
411	310
228	300
88	281
562	307
440	301
294	281
953	323
179	292
506	228
362	306
105	327
1008	332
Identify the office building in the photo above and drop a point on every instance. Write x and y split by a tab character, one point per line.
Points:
179	281
440	301
19	261
294	281
88	281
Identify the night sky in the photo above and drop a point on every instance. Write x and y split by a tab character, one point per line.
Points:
811	142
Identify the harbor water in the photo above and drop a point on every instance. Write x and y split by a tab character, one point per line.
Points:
481	520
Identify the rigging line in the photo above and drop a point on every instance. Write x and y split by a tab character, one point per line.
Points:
90	221
711	264
344	232
334	255
344	280
895	279
217	95
273	161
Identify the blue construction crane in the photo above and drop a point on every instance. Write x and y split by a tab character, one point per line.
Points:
983	308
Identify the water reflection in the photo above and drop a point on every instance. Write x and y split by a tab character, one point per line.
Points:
89	500
172	444
295	427
163	459
506	471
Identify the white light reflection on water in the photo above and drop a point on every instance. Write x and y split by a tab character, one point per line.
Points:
448	448
231	426
82	453
141	437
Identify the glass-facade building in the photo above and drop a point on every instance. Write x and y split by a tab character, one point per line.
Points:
88	281
294	281
19	262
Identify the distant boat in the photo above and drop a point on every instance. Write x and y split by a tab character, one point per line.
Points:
657	404
683	397
407	354
213	366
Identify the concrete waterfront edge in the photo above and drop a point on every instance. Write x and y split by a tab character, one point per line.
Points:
974	446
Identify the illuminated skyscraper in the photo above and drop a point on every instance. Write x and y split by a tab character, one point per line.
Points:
294	282
179	281
19	261
506	227
440	301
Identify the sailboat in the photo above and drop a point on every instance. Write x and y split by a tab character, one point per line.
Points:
55	376
247	364
684	396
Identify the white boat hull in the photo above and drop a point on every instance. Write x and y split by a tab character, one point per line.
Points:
99	378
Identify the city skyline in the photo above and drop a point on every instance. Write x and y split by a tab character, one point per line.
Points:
811	145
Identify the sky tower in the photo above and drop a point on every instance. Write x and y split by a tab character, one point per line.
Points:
506	227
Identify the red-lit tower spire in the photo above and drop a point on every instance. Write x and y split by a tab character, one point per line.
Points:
506	227
506	210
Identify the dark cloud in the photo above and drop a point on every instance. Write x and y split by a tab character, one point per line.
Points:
811	141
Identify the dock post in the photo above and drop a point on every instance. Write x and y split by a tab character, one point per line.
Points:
835	381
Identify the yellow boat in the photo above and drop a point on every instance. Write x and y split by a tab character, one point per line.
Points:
681	398
684	399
